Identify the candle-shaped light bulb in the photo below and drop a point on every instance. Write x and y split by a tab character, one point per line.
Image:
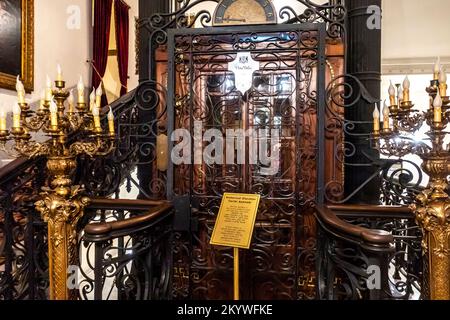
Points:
392	94
71	101
80	89
59	74
400	96
92	100
2	120
376	119
406	83
42	100
16	116
53	114
48	89
111	121
385	116
98	96
437	69
96	114
406	86
19	85
442	76
443	83
20	91
437	105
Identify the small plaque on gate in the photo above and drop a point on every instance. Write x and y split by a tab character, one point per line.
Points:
243	68
236	220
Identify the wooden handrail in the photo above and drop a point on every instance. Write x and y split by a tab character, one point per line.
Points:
372	211
156	211
13	168
123	204
332	223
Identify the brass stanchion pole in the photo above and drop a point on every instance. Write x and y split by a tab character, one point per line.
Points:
236	274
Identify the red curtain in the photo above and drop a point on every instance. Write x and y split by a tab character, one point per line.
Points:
102	24
122	39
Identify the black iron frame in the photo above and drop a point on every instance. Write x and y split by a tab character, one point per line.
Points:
321	104
319	30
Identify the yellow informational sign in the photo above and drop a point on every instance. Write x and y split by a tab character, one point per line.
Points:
236	220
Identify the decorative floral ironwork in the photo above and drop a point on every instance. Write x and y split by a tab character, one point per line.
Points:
134	266
343	266
23	235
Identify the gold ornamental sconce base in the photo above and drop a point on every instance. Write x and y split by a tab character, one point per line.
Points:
62	206
432	206
433	216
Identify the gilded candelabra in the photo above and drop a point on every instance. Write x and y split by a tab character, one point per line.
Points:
432	206
61	204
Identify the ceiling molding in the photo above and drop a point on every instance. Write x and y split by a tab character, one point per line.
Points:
412	65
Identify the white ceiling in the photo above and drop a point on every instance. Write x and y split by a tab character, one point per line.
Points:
414	33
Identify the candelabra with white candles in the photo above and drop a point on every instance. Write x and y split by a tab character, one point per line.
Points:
394	136
62	203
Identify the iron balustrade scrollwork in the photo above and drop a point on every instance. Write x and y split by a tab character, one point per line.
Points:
368	252
127	255
23	235
401	179
136	145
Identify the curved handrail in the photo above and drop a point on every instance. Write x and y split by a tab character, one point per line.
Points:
124	204
137	247
13	168
103	231
344	230
395	212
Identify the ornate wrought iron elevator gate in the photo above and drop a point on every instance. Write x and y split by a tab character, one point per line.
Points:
286	97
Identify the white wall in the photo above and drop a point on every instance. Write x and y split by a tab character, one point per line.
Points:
414	33
55	43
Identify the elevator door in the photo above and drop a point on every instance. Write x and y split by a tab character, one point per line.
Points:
270	145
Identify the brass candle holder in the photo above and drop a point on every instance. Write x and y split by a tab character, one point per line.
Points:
432	206
62	203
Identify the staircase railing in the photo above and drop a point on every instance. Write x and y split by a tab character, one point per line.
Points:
23	234
130	257
353	240
368	252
